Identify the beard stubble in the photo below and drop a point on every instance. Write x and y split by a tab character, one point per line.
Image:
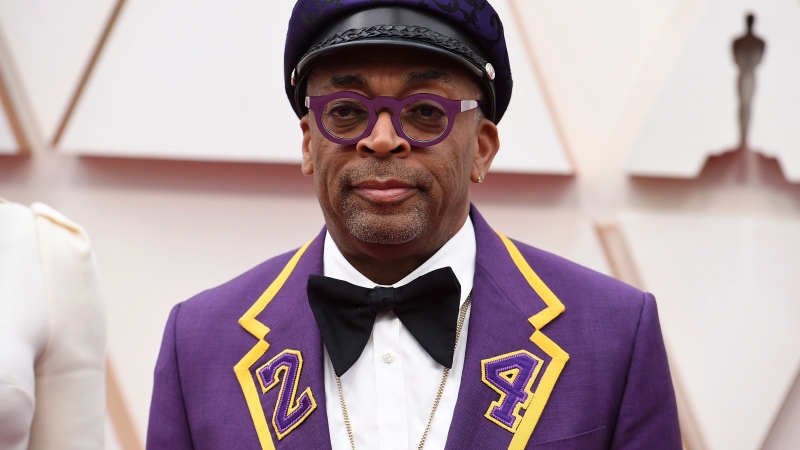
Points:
385	224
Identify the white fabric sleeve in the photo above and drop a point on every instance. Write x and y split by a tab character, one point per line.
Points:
23	323
70	373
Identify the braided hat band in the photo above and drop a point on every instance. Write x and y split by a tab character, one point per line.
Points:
403	32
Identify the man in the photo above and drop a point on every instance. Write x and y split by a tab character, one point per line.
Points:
480	343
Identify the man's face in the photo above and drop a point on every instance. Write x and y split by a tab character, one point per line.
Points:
384	191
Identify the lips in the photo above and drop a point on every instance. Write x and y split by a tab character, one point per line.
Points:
384	191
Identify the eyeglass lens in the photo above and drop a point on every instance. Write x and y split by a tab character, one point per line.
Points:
348	118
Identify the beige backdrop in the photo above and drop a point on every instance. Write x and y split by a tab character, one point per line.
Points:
165	229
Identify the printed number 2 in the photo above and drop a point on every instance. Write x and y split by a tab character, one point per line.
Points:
512	376
290	411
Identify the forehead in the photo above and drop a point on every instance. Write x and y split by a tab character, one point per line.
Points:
388	67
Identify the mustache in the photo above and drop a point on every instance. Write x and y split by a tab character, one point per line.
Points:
371	169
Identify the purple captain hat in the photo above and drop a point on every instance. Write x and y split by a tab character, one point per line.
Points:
468	32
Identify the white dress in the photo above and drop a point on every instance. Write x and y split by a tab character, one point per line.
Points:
52	333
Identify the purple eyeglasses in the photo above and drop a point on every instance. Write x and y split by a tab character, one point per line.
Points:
422	119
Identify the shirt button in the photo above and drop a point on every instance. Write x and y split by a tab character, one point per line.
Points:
388	358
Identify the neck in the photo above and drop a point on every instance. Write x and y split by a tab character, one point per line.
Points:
384	271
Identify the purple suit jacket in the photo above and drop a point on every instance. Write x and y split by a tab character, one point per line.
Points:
558	357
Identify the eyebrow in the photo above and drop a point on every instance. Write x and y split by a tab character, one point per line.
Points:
429	75
343	81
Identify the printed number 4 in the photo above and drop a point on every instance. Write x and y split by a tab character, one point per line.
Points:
290	411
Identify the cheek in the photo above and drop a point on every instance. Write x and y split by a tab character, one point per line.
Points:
452	172
459	161
327	168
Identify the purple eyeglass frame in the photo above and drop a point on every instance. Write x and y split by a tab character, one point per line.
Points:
451	107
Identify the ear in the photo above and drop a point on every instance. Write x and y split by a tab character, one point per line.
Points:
488	145
307	165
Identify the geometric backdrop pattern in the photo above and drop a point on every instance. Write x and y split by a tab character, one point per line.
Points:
696	113
733	336
203	80
189	80
531	138
198	80
8	145
50	43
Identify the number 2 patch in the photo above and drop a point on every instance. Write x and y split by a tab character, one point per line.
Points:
512	376
290	411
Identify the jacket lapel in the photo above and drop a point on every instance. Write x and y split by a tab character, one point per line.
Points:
282	375
510	366
509	371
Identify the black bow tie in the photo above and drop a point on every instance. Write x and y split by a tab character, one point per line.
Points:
345	313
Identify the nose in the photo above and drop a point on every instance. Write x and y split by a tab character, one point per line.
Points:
383	141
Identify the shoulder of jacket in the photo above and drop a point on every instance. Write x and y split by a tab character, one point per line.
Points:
565	276
55	218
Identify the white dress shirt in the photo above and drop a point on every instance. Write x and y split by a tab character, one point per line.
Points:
52	333
390	390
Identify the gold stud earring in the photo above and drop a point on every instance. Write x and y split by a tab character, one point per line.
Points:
480	178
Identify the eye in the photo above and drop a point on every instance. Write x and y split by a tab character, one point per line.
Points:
424	120
345	118
345	109
342	111
426	110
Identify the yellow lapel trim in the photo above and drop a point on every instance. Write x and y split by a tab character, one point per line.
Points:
242	369
559	356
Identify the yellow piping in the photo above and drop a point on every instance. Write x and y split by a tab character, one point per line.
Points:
242	369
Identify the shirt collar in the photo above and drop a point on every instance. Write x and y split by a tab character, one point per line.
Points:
458	253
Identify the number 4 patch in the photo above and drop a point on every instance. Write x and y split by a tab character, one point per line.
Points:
512	376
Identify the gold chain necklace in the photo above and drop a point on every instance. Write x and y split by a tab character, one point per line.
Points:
461	316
